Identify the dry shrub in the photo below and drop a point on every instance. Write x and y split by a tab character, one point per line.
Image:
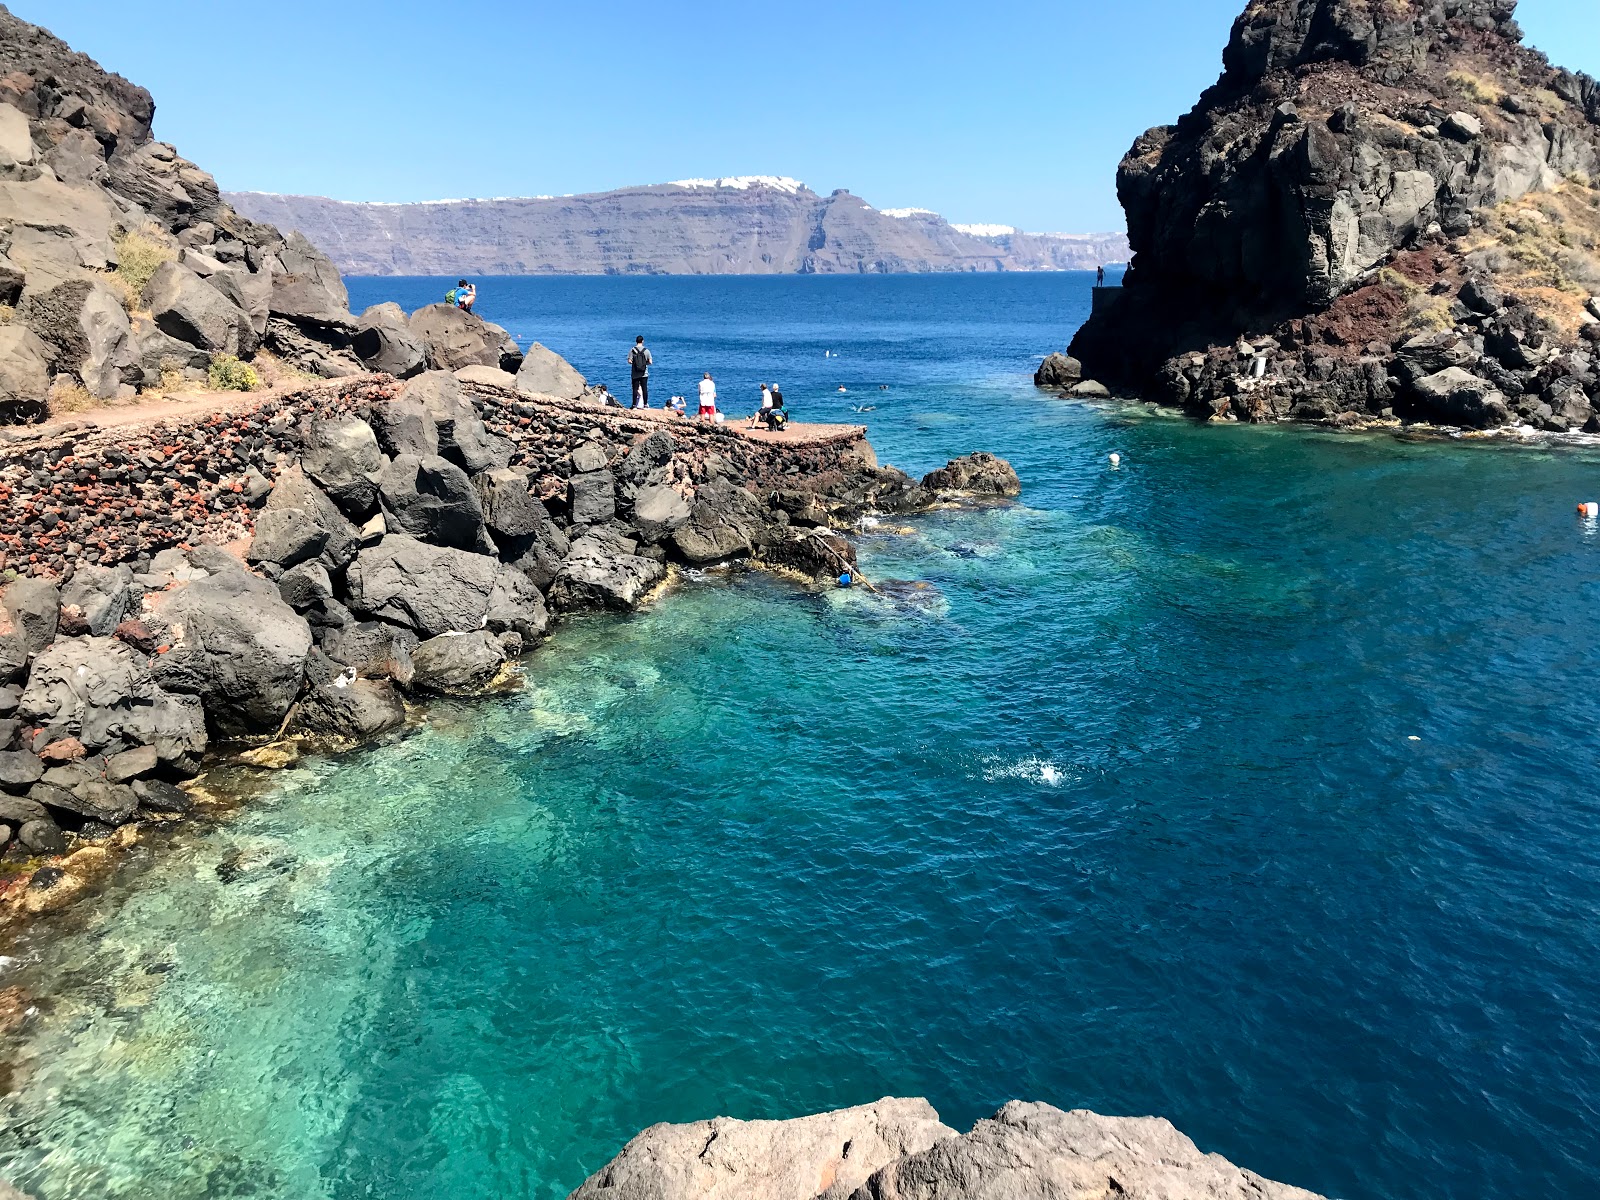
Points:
1545	247
1475	87
139	253
275	373
67	395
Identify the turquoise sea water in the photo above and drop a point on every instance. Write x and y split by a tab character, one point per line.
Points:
1122	810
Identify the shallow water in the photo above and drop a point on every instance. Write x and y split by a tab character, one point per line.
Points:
1121	810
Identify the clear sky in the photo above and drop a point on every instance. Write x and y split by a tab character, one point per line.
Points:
1010	111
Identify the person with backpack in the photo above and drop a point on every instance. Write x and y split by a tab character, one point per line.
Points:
639	360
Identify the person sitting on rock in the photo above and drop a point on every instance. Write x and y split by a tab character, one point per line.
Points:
708	398
766	404
679	405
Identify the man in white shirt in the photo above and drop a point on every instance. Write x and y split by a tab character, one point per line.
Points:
708	399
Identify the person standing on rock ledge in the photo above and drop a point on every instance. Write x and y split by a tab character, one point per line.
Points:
639	360
1100	277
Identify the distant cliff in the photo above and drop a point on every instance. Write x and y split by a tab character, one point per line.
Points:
747	226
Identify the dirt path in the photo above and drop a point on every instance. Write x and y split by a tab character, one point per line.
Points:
189	406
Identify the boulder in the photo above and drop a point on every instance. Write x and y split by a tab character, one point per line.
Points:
516	605
509	509
646	463
322	355
1462	126
595	576
19	770
588	457
1036	1151
87	329
341	456
429	589
980	474
351	707
88	798
306	586
130	764
404	425
189	309
658	510
457	663
16	810
539	554
294	490
159	796
29	613
383	342
286	536
725	521
821	1157
592	497
463	438
1457	397
250	290
308	291
432	499
41	837
25	363
455	339
546	373
1482	296
1089	389
96	599
1058	371
173	726
372	649
815	553
237	646
479	374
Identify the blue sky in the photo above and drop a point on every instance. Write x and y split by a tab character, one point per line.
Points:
1011	111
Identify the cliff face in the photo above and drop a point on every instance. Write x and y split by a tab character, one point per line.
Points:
120	264
1358	162
763	226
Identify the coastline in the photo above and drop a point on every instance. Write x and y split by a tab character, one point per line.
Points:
217	502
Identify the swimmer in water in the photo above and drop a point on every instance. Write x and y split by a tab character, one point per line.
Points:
842	388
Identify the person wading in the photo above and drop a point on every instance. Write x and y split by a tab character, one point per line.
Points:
639	361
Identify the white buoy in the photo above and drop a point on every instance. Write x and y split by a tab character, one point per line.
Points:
1590	510
1116	460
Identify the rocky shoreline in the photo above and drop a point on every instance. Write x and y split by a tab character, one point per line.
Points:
897	1149
306	566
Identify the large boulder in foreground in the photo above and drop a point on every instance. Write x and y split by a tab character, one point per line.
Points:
1458	397
725	521
236	645
980	474
189	309
825	1155
29	612
899	1150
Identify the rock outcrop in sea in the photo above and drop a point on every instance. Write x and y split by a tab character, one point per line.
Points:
898	1149
1378	210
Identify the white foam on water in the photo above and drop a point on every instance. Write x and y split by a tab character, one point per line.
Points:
1032	769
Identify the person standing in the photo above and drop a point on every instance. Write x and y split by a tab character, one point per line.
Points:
639	360
708	398
1100	277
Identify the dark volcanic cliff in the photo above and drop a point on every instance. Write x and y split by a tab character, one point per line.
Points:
1381	205
746	226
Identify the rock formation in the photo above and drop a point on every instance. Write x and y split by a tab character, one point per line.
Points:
899	1150
389	538
752	226
122	268
1378	209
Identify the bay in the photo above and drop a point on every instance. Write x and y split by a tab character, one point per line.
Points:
1251	784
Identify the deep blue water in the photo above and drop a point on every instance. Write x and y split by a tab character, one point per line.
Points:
1251	784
